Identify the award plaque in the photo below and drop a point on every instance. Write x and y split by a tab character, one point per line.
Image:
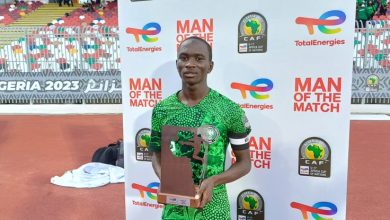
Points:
177	186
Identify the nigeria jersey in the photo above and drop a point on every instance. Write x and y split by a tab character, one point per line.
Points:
232	125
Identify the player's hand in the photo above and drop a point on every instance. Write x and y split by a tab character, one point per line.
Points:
206	191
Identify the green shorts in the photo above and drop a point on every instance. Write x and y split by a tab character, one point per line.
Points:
217	209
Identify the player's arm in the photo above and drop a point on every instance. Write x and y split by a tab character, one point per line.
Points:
240	168
238	137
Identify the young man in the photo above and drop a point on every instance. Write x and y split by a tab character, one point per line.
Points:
197	105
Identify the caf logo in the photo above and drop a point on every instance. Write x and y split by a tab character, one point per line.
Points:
252	33
142	140
250	205
314	158
372	83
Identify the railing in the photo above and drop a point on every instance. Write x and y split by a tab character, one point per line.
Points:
60	65
371	44
92	48
371	73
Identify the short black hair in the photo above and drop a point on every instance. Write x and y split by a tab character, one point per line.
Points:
203	41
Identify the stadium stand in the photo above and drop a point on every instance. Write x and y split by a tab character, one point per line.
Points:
372	37
370	10
43	15
100	17
9	13
66	39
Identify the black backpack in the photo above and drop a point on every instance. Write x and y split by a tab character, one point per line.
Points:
109	154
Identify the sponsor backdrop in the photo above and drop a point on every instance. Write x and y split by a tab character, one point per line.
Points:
288	67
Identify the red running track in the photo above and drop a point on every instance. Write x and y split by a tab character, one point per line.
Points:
35	148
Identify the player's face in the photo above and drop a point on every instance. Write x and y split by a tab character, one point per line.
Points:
193	62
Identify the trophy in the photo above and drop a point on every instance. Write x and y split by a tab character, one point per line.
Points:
177	186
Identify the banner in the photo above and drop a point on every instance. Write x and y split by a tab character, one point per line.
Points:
61	87
288	65
371	83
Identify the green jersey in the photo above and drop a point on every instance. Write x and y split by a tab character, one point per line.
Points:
232	126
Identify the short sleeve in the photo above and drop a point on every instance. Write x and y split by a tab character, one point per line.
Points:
155	134
239	130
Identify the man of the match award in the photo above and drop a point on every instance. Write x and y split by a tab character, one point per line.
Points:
177	186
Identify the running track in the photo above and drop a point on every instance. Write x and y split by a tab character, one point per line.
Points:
35	148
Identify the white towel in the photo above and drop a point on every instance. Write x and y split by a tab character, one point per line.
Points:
90	175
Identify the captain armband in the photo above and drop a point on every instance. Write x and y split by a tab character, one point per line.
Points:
239	142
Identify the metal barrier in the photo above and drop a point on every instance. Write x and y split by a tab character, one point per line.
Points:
371	72
371	44
36	49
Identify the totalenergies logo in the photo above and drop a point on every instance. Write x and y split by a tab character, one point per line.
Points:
258	86
315	210
151	28
323	21
150	190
